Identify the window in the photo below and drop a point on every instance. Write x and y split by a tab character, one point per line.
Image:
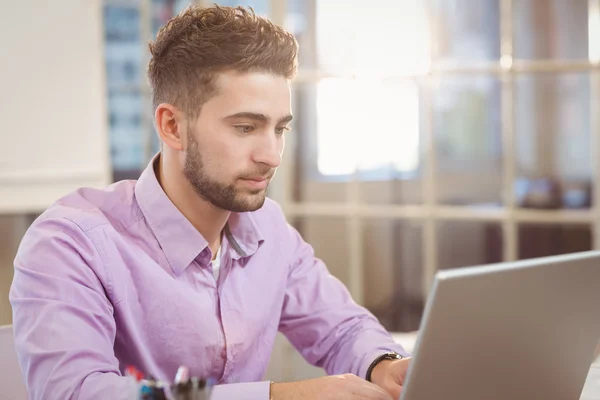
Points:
365	125
261	7
364	122
416	145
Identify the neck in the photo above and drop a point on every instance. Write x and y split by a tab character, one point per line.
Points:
203	215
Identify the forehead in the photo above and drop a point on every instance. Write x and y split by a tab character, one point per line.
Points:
258	92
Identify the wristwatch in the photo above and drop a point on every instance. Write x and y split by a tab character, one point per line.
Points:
386	356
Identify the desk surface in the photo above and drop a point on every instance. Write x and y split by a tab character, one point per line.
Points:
591	390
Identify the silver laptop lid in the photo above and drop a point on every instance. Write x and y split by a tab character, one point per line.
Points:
521	331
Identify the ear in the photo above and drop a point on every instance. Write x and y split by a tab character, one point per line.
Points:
170	125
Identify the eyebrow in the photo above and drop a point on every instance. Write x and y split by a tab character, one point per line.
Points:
258	117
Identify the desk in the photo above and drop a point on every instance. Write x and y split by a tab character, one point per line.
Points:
591	390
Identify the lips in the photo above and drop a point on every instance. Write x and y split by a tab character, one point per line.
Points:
258	178
257	182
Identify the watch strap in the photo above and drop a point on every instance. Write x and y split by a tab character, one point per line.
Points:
385	356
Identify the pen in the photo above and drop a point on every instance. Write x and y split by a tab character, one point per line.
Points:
182	388
134	373
158	393
146	390
203	388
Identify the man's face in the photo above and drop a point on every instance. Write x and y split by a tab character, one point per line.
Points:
235	145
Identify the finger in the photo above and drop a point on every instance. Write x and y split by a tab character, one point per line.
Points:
369	391
396	391
392	387
400	369
364	389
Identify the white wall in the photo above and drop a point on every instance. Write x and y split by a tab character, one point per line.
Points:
53	130
53	104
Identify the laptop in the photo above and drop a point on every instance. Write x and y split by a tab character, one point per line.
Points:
522	330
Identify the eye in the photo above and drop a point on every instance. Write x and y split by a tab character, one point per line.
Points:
281	130
245	129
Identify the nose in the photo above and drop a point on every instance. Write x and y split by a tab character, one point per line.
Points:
269	150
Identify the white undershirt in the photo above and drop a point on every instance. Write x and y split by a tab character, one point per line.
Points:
216	264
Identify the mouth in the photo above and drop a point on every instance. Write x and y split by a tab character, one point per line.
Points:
258	178
257	182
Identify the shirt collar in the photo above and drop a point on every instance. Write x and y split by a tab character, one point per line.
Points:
243	234
179	239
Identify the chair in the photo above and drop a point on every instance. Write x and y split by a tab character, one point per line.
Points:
11	380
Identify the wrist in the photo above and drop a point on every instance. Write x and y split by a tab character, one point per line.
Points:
380	362
379	371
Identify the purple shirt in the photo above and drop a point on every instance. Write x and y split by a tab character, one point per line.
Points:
116	277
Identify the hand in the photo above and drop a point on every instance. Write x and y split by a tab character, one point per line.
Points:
336	387
390	375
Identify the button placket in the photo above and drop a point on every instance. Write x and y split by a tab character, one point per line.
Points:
225	314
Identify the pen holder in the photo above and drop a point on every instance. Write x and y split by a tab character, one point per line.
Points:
184	387
192	389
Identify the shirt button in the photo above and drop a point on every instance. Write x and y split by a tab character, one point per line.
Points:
224	354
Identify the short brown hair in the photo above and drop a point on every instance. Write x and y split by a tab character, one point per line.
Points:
200	42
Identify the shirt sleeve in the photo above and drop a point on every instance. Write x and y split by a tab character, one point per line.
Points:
322	321
63	321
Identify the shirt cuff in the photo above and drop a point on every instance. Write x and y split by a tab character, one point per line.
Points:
242	391
371	356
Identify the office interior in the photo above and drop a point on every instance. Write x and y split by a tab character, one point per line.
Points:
428	135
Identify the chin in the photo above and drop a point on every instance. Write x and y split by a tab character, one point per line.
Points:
249	203
256	204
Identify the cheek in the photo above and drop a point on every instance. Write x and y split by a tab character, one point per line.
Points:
216	167
237	156
227	163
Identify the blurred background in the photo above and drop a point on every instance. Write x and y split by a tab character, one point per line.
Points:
427	135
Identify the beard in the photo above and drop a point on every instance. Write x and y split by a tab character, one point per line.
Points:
221	195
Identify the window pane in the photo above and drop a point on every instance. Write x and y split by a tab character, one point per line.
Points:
392	272
309	184
468	244
368	126
467	129
154	140
541	240
261	7
329	238
385	37
164	10
123	46
123	73
551	29
300	21
127	138
552	131
466	30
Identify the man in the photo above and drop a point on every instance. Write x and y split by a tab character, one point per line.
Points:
191	264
